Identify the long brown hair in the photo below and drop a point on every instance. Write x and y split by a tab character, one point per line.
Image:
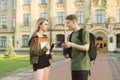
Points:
39	22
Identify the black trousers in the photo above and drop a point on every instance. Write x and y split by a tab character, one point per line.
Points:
80	75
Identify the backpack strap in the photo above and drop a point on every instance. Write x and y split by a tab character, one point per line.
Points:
80	34
70	37
80	37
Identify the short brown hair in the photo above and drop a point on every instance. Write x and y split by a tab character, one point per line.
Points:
72	17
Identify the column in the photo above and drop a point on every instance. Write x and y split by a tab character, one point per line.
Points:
18	24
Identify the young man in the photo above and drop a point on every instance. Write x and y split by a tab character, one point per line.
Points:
80	62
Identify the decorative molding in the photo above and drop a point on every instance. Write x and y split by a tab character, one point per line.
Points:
60	6
79	4
26	8
99	2
118	2
59	26
25	28
43	6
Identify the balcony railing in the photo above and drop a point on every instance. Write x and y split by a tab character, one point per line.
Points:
59	26
43	6
26	8
60	5
25	28
79	4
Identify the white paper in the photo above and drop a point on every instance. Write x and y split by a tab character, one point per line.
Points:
43	44
48	52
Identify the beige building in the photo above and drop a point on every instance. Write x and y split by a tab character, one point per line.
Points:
100	17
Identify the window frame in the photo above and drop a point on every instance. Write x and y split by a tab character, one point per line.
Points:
43	15
118	16
26	19
3	41
26	2
99	16
80	15
4	5
25	39
60	18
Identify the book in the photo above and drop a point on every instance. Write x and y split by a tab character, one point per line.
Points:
41	42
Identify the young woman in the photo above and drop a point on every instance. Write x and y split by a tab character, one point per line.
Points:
39	53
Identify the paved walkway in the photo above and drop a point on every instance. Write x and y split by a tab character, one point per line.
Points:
106	67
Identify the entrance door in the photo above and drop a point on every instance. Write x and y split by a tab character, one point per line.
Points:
101	45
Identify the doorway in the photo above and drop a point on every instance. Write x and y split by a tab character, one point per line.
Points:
101	45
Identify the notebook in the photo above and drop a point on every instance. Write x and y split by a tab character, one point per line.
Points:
42	42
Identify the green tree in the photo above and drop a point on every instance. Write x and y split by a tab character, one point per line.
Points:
10	50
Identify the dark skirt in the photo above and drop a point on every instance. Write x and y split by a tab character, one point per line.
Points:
42	63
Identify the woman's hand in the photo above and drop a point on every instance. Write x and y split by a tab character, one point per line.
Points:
48	46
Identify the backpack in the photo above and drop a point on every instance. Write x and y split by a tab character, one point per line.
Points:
92	48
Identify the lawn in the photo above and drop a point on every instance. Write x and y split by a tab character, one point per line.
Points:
13	65
16	64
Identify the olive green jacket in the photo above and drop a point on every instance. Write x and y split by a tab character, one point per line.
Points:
34	51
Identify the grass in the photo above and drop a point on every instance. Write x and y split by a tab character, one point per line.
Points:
16	64
12	65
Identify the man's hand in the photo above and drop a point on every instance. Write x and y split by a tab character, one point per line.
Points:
67	56
67	44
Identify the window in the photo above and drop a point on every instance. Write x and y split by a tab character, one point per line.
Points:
25	39
26	1
3	41
13	38
14	5
26	19
4	4
4	22
111	39
43	1
14	22
60	17
80	16
118	16
79	0
43	15
118	40
60	1
99	16
60	38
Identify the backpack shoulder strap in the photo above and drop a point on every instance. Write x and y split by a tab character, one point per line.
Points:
80	35
70	36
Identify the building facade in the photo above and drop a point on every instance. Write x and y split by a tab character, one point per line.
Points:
100	17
